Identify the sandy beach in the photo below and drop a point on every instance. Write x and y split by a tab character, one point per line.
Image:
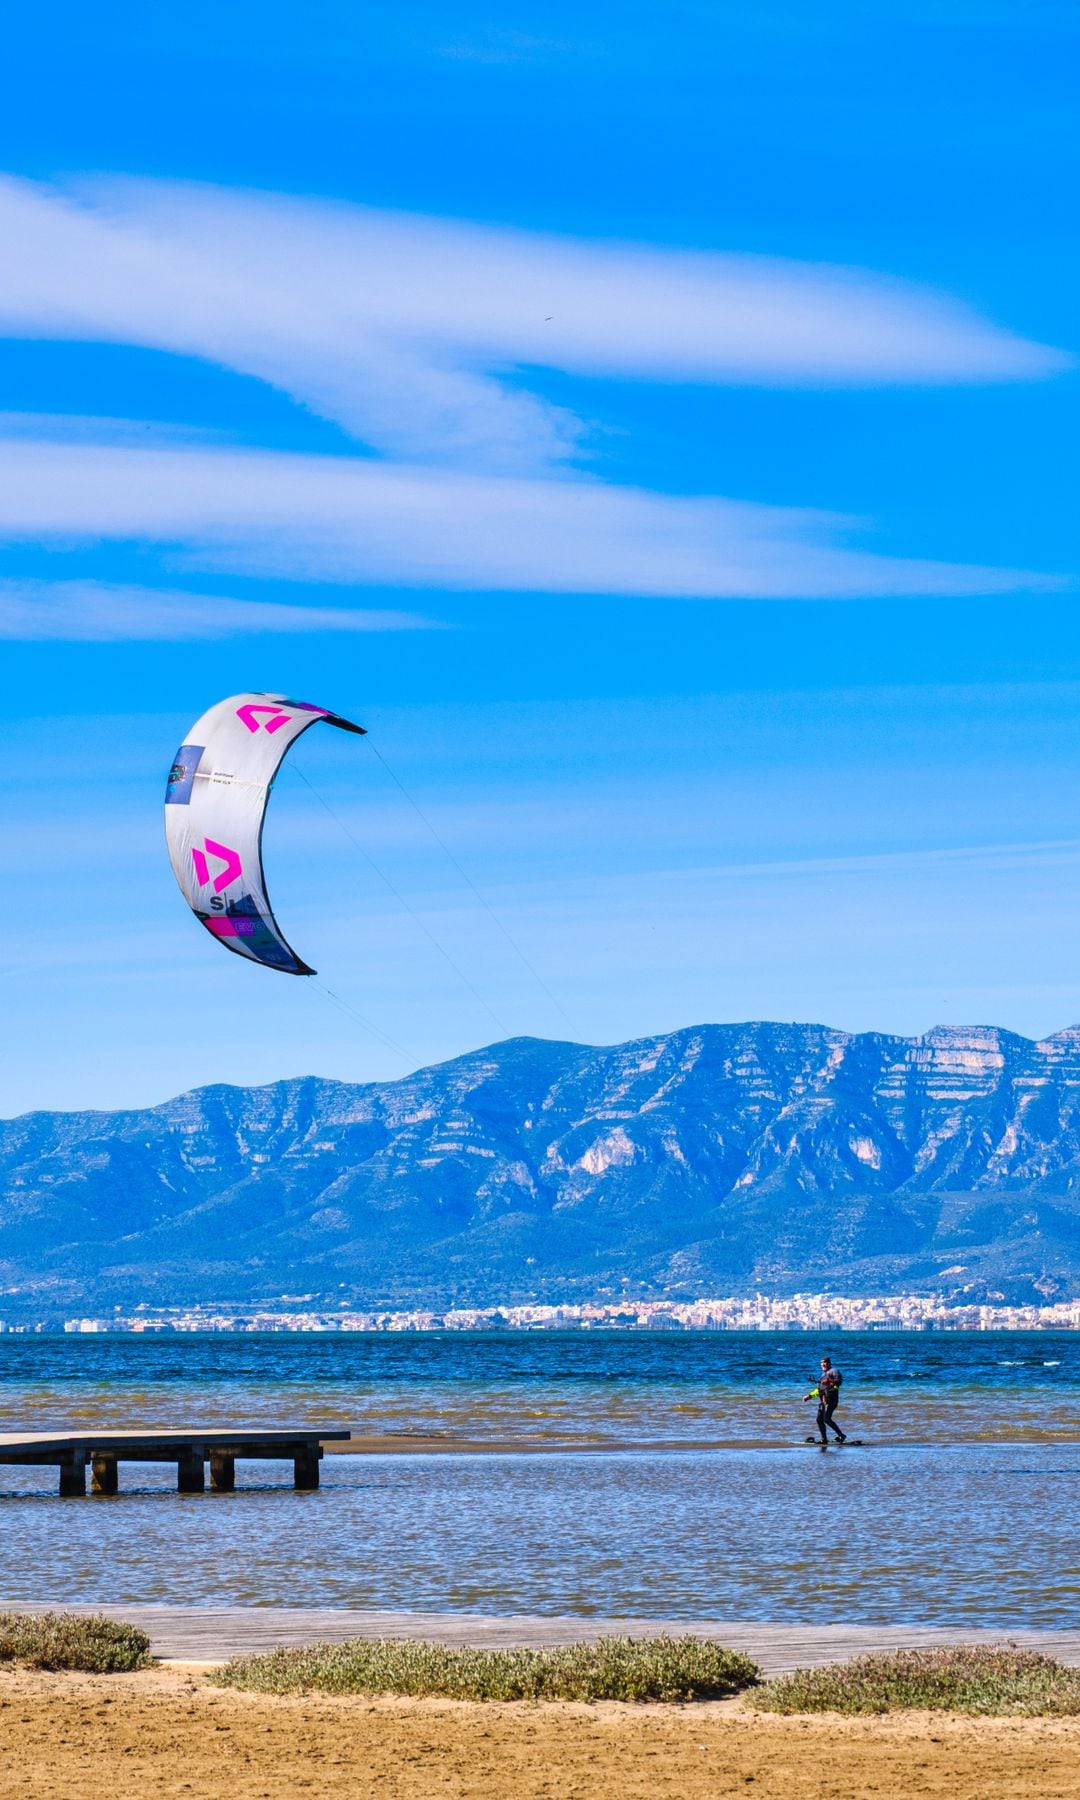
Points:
169	1731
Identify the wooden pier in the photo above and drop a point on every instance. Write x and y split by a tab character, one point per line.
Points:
103	1452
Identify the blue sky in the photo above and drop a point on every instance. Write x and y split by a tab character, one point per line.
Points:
657	427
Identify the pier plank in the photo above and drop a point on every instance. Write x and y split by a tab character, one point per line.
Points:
142	1446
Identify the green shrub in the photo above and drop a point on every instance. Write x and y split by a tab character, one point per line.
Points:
964	1678
56	1640
612	1668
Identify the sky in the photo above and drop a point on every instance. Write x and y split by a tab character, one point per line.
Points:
657	426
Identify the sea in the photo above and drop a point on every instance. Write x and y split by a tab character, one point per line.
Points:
668	1475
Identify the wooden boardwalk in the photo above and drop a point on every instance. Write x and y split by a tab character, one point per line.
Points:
191	1450
210	1634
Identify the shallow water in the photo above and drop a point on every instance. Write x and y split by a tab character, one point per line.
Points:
559	1386
959	1511
976	1535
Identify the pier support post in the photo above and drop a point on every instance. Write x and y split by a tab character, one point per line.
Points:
306	1468
106	1474
190	1473
73	1475
222	1473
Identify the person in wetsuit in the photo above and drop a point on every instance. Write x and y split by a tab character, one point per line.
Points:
827	1395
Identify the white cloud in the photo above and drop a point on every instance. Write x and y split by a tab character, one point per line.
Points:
353	520
411	332
98	611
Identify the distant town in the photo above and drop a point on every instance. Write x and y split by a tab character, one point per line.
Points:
800	1312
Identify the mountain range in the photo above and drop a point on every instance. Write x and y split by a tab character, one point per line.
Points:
718	1159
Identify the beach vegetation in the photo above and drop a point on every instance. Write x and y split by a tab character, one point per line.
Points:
611	1668
998	1679
64	1640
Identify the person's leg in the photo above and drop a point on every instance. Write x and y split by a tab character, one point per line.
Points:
821	1421
829	1420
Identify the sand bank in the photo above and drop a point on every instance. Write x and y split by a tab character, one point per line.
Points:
792	1435
168	1732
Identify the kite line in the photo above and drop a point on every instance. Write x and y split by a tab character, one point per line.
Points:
472	887
400	898
360	1020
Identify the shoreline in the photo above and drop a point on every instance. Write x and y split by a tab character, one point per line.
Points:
206	1635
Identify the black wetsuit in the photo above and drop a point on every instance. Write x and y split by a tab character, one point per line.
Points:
829	1393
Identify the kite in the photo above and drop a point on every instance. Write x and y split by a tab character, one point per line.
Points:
215	804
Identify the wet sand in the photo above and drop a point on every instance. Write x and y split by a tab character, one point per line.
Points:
169	1732
205	1635
878	1434
451	1443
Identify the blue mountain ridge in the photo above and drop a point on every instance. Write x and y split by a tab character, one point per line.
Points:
713	1160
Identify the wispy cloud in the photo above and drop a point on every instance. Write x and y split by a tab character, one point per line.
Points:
102	612
353	520
413	332
501	46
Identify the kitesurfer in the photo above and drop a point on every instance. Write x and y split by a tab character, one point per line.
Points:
827	1395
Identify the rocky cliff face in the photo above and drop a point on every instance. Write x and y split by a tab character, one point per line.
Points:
717	1159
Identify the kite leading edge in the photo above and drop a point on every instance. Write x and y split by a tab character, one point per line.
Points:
215	804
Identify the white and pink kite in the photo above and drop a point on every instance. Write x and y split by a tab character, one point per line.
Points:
215	804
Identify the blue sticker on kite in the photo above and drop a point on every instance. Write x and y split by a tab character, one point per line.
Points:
182	774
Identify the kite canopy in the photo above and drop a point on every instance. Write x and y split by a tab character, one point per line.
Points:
215	804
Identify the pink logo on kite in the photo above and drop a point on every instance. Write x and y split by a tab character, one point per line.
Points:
223	927
277	718
222	853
